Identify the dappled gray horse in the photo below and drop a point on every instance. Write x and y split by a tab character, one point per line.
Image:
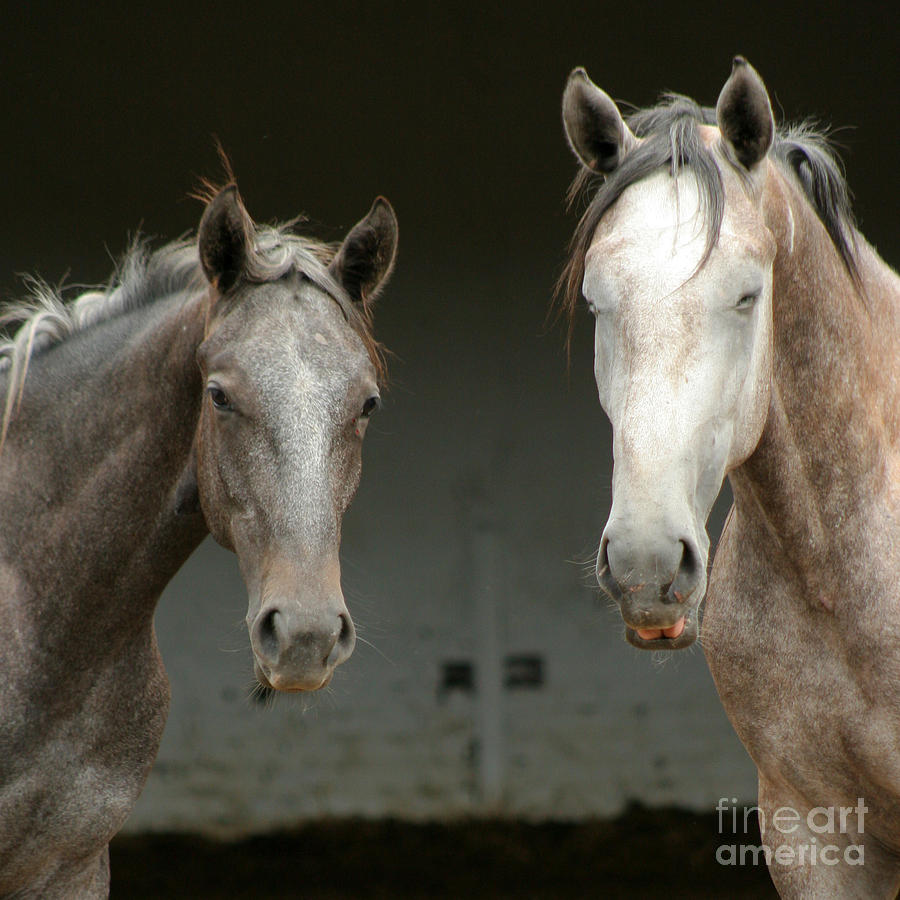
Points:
744	327
224	387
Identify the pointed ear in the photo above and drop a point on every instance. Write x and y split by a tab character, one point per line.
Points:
595	129
223	239
744	115
366	257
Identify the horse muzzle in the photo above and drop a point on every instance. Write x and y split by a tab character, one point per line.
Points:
296	647
658	582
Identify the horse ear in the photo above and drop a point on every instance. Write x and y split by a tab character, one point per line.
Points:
744	114
223	239
595	129
366	257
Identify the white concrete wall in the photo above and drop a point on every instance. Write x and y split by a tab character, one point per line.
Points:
457	445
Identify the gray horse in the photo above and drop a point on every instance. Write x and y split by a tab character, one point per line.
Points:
743	326
223	387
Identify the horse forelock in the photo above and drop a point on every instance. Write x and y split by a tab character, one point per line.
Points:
279	250
673	136
670	138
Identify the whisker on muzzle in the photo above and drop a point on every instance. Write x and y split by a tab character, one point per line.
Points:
260	695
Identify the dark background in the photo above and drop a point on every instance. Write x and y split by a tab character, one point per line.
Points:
450	110
109	114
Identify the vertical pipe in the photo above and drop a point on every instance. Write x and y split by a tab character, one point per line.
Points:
489	675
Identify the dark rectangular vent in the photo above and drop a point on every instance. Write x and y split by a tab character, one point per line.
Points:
524	670
457	675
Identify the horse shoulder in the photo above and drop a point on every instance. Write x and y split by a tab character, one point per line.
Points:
809	691
72	762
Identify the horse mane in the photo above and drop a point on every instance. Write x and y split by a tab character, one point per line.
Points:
671	138
805	151
45	318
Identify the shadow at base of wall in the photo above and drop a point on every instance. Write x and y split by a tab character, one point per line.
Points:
643	853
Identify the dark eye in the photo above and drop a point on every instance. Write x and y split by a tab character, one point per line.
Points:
370	406
747	301
219	397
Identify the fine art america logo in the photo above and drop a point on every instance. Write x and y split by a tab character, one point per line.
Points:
825	836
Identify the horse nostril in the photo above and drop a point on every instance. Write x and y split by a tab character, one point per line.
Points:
687	576
603	558
346	628
344	643
267	633
690	560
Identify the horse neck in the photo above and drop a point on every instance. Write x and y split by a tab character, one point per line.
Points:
829	450
90	465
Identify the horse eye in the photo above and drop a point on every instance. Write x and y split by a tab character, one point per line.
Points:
370	406
219	397
747	301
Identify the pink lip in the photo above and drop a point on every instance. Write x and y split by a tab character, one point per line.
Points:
652	634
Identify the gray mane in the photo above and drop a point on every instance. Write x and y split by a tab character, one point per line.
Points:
43	319
671	139
805	151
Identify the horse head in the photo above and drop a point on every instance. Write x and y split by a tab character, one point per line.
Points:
290	374
675	259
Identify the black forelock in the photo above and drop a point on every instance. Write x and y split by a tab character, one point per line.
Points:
670	140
